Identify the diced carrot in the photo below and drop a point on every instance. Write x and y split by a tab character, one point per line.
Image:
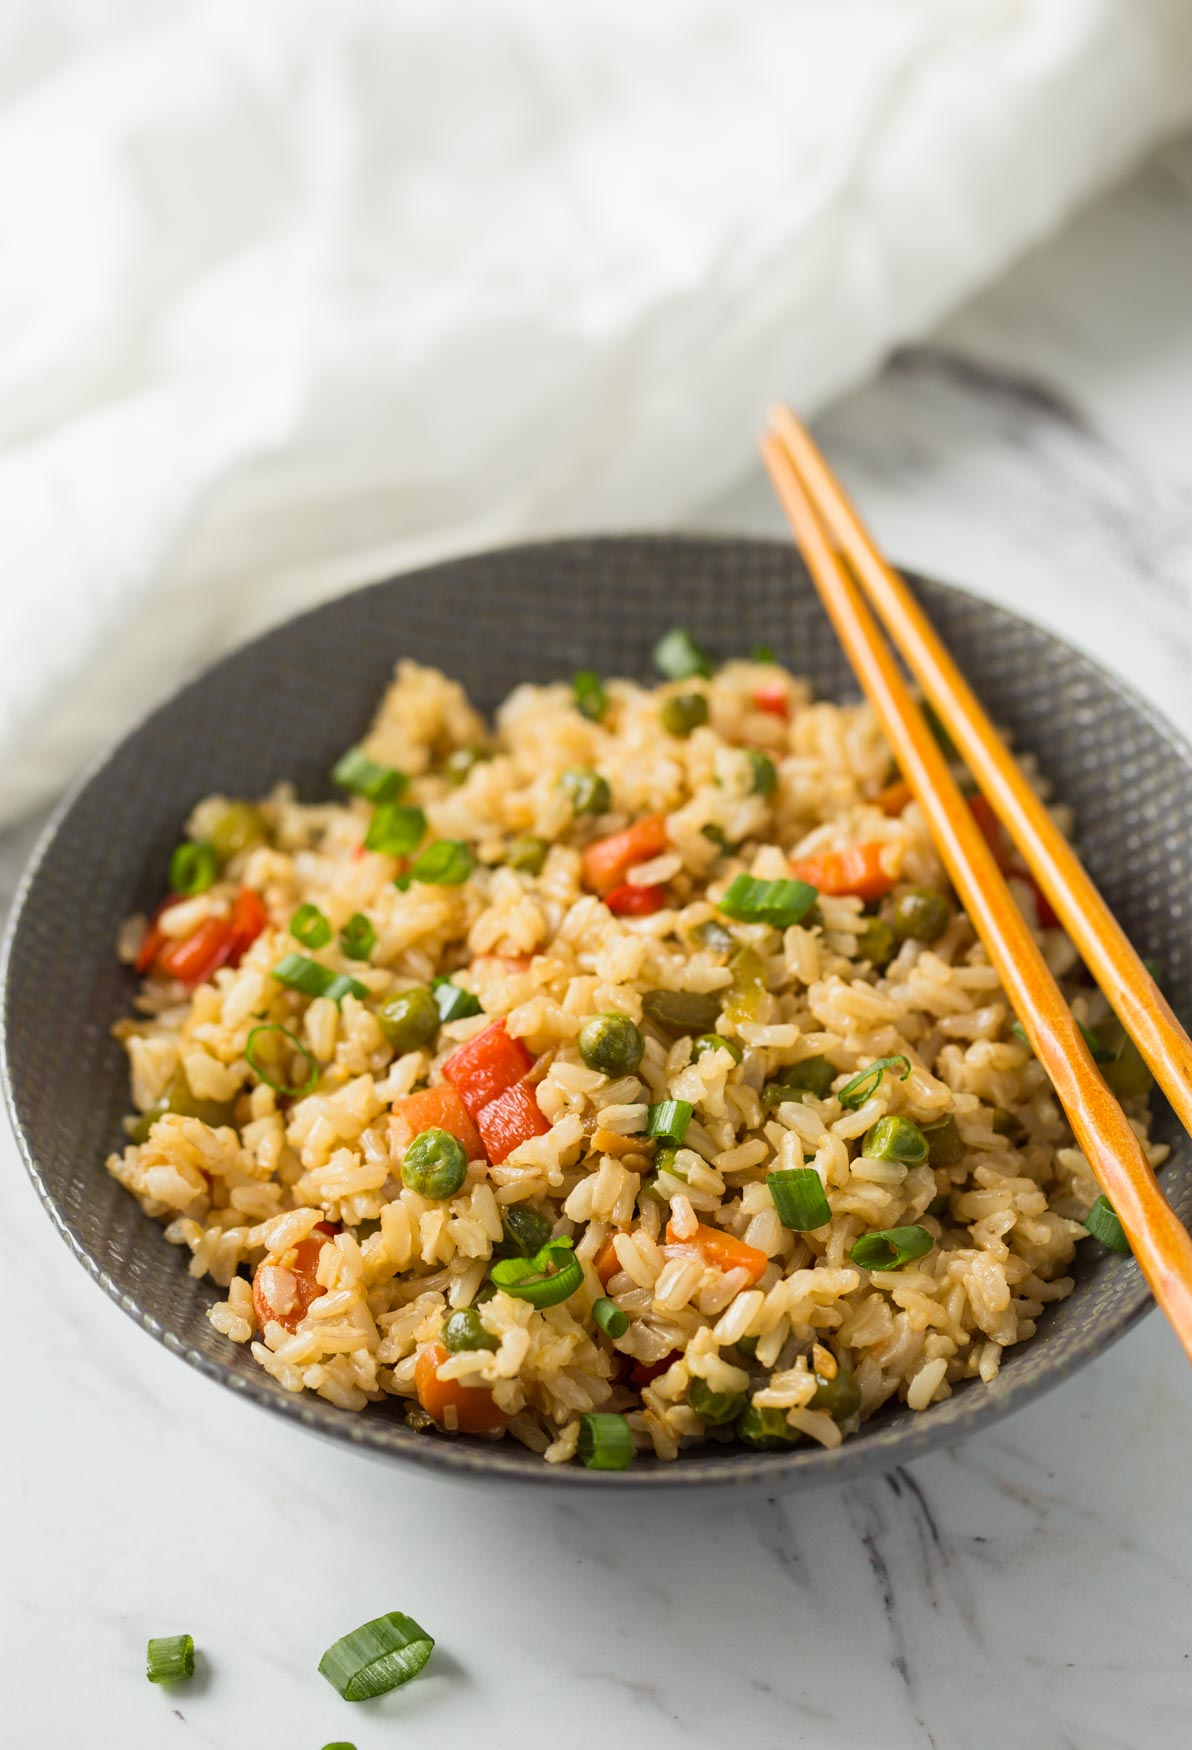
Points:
606	1263
722	1250
501	962
440	1109
866	870
894	798
460	1409
509	1120
635	902
486	1066
773	698
195	957
607	862
285	1293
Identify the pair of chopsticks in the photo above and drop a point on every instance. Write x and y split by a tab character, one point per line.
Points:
827	527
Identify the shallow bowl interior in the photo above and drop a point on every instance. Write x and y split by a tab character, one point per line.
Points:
287	705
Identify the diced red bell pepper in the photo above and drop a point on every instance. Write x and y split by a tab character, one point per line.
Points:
486	1066
635	902
645	1372
440	1109
607	862
249	918
509	1120
774	699
155	938
216	942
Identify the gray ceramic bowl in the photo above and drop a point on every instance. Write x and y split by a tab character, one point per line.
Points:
288	704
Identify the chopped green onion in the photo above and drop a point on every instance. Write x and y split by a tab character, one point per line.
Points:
715	835
678	657
339	1746
889	1248
445	863
798	1195
895	1138
462	761
357	939
765	772
713	935
453	1003
591	700
778	903
714	1042
313	980
194	867
377	1657
812	1075
612	1321
669	1119
535	1280
170	1658
1103	1223
366	777
854	1094
252	1055
762	653
309	926
396	829
605	1442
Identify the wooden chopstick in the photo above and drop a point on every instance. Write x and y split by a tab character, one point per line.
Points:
1115	1155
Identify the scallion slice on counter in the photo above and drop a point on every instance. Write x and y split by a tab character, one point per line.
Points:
612	1321
377	1657
355	771
254	1054
1103	1223
889	1248
170	1658
778	903
605	1442
551	1276
454	1004
669	1119
396	829
591	700
313	980
445	863
194	867
855	1093
310	927
678	656
799	1200
357	939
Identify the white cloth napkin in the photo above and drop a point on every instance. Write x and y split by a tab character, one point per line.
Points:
295	292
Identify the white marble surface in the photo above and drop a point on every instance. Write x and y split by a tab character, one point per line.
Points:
1031	1588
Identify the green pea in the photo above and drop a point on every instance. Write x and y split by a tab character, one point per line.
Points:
921	916
895	1139
714	1407
526	855
611	1044
465	1329
712	934
876	943
435	1164
814	1075
767	1430
681	1011
840	1396
943	1141
765	773
526	1232
231	827
179	1099
683	712
411	1019
588	791
460	761
713	1042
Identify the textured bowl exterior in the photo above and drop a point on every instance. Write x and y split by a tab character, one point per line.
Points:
288	704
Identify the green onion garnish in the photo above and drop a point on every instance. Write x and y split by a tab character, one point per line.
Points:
253	1055
762	653
377	1657
357	939
778	903
313	980
669	1119
605	1442
855	1093
170	1658
765	772
811	1075
591	700
1103	1223
889	1248
454	1004
550	1276
678	657
309	926
366	777
445	863
799	1199
194	867
612	1321
396	829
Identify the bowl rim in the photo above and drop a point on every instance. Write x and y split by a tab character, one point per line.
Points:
806	1465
